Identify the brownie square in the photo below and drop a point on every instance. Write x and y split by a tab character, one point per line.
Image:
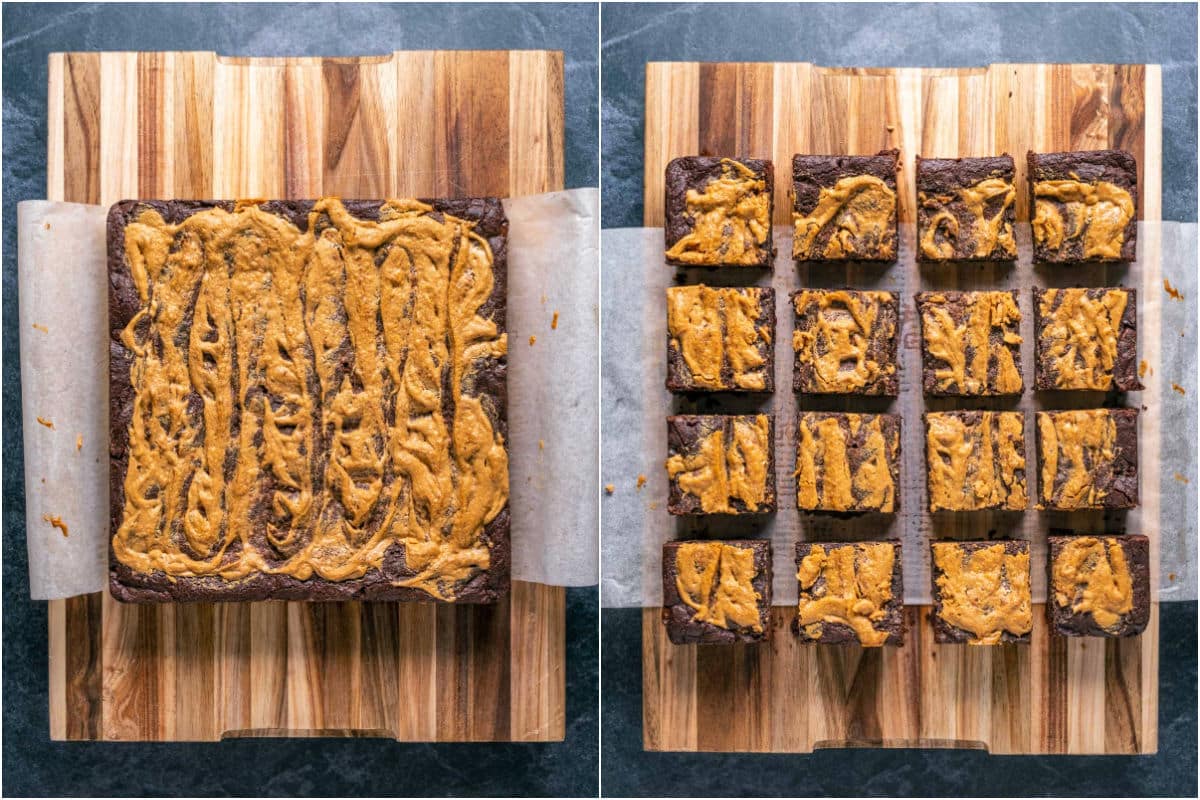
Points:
1086	339
965	209
845	342
975	461
844	207
970	343
850	593
718	212
1085	206
1098	585
254	453
720	339
1087	459
717	591
981	592
721	464
847	462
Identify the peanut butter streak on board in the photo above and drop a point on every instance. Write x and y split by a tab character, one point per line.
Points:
319	379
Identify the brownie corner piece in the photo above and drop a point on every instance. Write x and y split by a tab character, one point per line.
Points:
850	593
718	212
720	339
966	209
1098	585
717	591
721	464
1084	206
1086	339
970	343
975	461
844	207
1002	613
847	463
1087	459
845	342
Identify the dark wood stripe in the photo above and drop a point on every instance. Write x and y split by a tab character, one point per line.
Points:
719	110
1126	118
81	128
489	670
355	157
153	161
379	690
1123	695
1054	703
83	666
471	146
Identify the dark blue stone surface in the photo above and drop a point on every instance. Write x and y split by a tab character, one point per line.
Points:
32	764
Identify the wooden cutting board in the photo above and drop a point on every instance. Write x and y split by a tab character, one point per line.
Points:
1054	696
197	125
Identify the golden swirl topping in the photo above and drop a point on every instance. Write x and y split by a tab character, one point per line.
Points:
717	333
1073	444
1091	576
977	355
836	334
717	581
306	399
731	219
847	585
856	218
975	460
1093	214
988	233
983	591
721	470
844	462
1078	336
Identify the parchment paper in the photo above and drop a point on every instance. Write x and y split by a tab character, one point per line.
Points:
553	440
636	522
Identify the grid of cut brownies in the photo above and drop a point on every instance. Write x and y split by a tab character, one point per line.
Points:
844	207
720	339
717	591
850	593
845	342
718	212
1098	585
981	592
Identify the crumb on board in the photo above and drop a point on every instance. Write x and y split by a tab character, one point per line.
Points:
78	443
532	340
891	128
1171	577
45	422
554	322
641	482
1174	293
46	225
1181	478
653	505
541	444
609	488
1178	388
37	326
57	522
1143	368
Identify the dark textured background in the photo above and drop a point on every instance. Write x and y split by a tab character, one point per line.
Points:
32	764
896	35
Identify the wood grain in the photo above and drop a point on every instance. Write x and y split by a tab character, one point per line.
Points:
1054	696
196	125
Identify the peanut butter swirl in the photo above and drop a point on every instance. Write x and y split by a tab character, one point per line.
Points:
988	231
306	399
1079	334
720	471
844	330
731	219
977	355
975	460
1095	214
847	585
717	332
859	211
1073	444
716	580
845	467
984	591
1091	576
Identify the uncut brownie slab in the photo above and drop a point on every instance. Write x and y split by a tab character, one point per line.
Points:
970	343
975	460
981	592
718	464
1087	459
720	339
718	212
850	593
717	591
844	207
845	342
1099	585
847	462
308	400
1086	339
965	209
1085	206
